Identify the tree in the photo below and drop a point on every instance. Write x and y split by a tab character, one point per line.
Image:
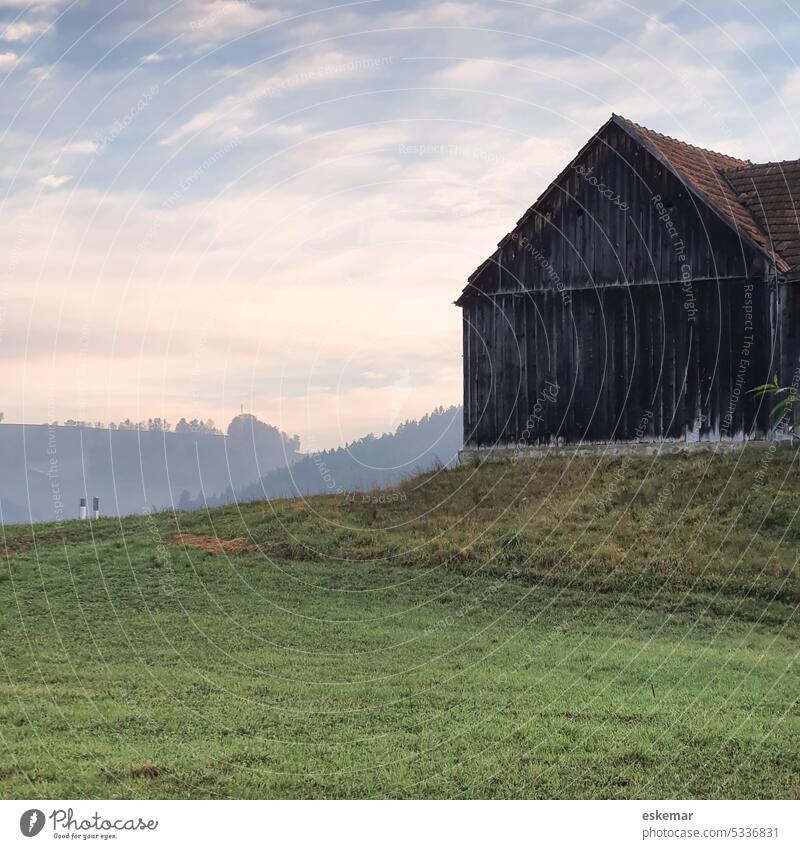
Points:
185	500
197	426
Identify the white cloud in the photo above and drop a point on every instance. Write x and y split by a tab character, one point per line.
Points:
471	74
212	21
23	30
150	59
81	147
311	68
31	4
41	73
51	181
8	60
78	148
445	14
238	114
226	119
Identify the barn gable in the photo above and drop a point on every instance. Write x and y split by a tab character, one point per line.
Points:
635	206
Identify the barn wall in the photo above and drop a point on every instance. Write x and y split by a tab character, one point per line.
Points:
619	363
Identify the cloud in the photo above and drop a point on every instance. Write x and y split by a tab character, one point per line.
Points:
51	181
32	4
8	60
81	147
445	14
41	73
471	74
23	31
150	59
205	22
237	114
310	69
226	119
78	148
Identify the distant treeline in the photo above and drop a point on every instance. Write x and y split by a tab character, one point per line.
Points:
368	463
157	425
47	468
147	465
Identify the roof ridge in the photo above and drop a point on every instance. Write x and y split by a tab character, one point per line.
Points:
744	162
751	165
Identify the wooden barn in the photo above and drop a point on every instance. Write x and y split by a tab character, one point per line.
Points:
639	300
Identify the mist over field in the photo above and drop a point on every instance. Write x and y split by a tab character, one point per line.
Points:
47	469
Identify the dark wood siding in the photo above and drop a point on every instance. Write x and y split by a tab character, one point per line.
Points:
619	364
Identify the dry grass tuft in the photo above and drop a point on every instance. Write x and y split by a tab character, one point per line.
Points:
212	544
145	771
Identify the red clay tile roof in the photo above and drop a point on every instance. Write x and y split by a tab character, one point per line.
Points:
771	193
711	174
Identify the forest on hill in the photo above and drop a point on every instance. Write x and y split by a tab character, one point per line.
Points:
415	446
134	467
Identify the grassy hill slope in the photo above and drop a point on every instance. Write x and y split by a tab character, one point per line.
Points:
565	627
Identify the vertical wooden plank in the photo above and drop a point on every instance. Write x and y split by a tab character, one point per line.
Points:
476	352
704	299
491	341
631	341
532	334
691	404
739	301
509	368
521	400
485	374
657	360
465	370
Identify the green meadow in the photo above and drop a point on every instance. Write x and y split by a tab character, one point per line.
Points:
576	627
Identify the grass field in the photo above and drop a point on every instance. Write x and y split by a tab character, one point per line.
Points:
574	628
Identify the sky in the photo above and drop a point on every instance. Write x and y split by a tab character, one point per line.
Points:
211	205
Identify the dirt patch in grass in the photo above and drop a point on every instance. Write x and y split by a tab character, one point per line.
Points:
212	544
17	545
145	771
